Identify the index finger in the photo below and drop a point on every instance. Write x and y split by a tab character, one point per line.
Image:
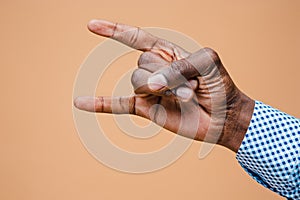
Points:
129	35
137	38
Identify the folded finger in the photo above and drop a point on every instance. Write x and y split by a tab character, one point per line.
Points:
140	83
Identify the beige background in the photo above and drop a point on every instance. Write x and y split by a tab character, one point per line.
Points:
43	44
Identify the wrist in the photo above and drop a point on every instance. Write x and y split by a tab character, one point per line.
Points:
238	118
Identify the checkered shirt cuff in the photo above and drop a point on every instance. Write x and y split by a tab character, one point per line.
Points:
270	150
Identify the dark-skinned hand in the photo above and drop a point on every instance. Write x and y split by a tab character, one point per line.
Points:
194	90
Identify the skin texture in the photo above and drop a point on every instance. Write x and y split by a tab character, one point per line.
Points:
194	90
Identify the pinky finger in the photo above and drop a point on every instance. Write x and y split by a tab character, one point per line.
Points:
113	105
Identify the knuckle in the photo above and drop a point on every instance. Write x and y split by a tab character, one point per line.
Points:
184	68
145	58
181	66
177	66
212	54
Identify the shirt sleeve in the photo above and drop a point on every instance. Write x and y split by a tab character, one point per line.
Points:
269	152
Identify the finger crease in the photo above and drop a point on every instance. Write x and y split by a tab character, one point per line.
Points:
114	30
177	54
156	109
203	107
144	68
120	102
174	57
167	54
101	99
132	109
161	56
153	45
177	107
135	36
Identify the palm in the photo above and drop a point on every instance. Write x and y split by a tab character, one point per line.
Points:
167	112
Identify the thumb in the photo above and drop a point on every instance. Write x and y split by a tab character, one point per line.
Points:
199	63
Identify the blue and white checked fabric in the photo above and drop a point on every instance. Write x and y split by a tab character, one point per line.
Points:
270	150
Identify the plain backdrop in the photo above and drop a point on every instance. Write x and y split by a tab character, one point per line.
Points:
43	44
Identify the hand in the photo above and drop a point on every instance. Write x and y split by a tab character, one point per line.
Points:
191	89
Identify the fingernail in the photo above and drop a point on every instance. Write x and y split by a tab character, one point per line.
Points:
157	82
184	93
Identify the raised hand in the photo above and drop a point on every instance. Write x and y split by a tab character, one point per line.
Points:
189	94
